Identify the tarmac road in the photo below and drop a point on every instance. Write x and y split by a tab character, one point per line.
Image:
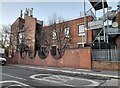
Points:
26	77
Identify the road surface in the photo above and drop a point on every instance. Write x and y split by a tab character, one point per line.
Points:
23	77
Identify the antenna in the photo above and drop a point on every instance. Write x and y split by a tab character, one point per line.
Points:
21	14
31	12
27	12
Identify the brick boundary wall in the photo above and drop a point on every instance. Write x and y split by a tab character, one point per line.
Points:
75	58
105	65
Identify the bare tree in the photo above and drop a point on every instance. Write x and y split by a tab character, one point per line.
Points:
21	40
60	35
14	33
5	35
42	41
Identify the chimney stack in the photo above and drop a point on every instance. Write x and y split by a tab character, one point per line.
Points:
31	12
28	12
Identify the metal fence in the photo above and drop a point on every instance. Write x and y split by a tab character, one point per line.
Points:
106	54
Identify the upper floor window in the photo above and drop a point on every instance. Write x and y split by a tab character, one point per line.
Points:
66	32
81	30
54	34
21	36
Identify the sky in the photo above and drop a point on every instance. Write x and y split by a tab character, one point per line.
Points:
43	10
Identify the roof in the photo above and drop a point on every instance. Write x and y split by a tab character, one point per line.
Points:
73	20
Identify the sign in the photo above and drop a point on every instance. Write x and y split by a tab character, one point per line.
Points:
95	24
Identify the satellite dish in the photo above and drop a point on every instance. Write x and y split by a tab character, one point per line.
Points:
114	24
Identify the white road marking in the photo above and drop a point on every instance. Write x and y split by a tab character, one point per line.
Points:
73	72
14	77
36	68
52	81
12	81
82	70
30	67
93	83
14	85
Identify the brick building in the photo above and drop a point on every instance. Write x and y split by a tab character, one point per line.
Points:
30	32
67	44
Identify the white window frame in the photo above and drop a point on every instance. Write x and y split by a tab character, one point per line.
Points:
81	43
21	36
81	30
67	32
54	34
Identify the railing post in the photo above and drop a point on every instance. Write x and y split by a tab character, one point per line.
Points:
111	52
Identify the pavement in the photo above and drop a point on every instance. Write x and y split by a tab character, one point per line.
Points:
87	73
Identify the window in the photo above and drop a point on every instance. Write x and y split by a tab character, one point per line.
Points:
67	32
53	51
54	35
80	45
81	30
21	36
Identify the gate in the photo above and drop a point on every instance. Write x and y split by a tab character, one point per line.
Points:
106	55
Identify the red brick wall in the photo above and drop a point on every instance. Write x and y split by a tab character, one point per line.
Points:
79	58
13	35
73	25
105	65
30	24
89	36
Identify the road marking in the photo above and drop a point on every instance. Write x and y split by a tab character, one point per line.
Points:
60	77
14	77
12	81
14	85
52	81
73	72
30	67
82	70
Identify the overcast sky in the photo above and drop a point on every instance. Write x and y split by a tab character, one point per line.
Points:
42	10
